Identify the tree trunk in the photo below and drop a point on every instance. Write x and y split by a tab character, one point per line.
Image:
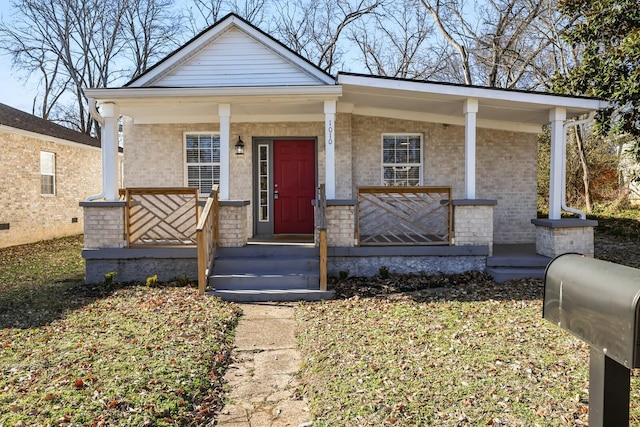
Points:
586	180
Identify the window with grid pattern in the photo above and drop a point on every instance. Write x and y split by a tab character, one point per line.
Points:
401	160
202	154
47	173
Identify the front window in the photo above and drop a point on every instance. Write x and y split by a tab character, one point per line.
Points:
47	173
401	160
202	154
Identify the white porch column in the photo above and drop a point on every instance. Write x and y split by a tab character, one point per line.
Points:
224	111
557	116
470	110
329	147
109	142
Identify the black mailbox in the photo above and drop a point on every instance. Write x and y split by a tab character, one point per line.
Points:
597	301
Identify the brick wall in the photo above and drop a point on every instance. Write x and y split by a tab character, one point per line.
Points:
104	226
32	216
506	165
506	162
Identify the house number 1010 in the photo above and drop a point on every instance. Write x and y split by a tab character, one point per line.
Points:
330	132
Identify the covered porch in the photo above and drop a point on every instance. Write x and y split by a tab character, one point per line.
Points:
446	224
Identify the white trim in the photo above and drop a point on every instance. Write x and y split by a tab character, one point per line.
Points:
473	92
184	156
395	165
235	93
236	118
444	119
209	36
47	138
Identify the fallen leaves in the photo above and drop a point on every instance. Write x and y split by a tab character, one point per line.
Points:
469	353
98	366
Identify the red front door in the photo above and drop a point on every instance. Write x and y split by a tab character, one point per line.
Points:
294	186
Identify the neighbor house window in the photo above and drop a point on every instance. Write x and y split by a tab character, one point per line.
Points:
47	173
401	159
202	154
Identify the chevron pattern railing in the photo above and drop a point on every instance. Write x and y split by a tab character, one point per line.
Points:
389	216
161	216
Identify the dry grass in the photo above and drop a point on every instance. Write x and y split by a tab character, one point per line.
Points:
71	354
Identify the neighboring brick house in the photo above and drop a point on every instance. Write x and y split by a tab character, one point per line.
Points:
45	171
469	152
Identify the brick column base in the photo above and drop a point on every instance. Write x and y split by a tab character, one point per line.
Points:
103	224
473	223
560	236
233	223
340	223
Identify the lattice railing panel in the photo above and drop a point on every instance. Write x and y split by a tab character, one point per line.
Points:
404	216
162	216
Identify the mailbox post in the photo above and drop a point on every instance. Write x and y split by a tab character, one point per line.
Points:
597	301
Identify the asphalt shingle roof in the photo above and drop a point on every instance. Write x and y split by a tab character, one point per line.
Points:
18	119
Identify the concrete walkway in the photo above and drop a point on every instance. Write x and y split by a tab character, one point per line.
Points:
262	377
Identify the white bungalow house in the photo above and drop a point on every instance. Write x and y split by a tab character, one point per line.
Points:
409	176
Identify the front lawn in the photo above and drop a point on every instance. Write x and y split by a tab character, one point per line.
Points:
71	354
475	354
401	352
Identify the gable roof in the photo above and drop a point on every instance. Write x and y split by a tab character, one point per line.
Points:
18	119
232	52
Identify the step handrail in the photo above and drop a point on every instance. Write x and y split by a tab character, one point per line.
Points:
208	235
321	226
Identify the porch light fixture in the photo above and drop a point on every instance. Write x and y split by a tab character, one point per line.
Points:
239	147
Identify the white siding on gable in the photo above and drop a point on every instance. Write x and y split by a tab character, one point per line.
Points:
235	59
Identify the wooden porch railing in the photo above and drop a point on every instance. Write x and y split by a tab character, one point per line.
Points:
161	216
208	234
404	216
321	225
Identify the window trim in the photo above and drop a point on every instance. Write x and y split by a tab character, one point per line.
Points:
420	165
52	157
184	159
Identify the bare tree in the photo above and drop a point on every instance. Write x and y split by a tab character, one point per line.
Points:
150	28
316	28
449	20
75	44
201	14
503	43
394	42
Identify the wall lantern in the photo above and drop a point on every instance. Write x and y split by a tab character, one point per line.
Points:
239	147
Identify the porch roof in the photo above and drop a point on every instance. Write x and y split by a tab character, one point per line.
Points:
359	94
200	104
443	102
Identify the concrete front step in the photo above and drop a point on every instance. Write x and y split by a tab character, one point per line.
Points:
272	295
257	281
266	265
269	251
502	274
274	269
